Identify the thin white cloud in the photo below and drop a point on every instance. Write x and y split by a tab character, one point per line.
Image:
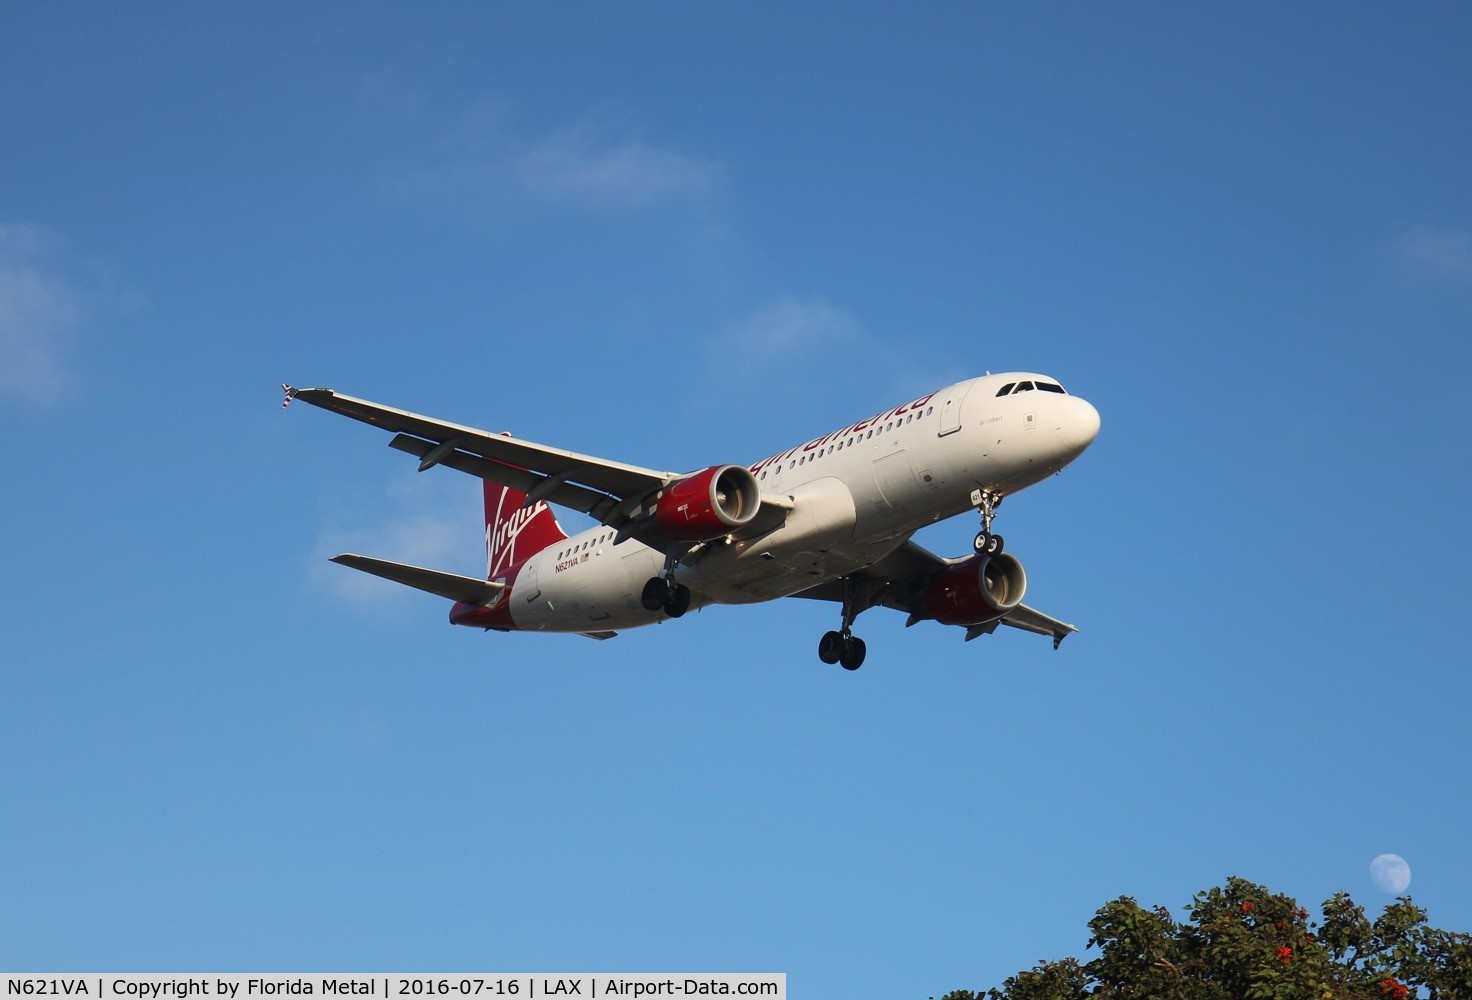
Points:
806	345
422	520
22	240
1427	255
583	166
791	329
38	313
483	160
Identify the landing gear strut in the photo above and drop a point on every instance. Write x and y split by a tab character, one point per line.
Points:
986	503
663	593
843	647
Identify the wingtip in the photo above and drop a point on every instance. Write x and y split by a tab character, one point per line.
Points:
1058	637
310	395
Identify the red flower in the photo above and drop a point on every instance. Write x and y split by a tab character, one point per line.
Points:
1302	913
1392	988
1307	936
1285	953
1248	907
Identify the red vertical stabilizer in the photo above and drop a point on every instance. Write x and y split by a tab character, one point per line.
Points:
515	532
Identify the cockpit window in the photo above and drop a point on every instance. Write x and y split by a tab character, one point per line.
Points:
1024	386
1051	387
1005	389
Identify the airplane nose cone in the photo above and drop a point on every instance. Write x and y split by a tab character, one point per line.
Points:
1078	425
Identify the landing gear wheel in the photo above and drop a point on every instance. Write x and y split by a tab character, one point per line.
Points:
656	594
853	656
987	544
831	647
678	602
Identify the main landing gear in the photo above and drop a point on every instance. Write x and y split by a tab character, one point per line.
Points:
660	594
843	647
987	503
663	593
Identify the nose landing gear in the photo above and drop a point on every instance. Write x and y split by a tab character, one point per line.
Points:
986	503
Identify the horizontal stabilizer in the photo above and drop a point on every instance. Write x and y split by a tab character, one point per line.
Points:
447	585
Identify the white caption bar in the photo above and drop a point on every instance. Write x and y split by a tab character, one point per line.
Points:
392	986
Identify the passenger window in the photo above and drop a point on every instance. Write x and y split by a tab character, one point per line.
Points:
1005	389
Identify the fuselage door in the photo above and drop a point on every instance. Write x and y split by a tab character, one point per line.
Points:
950	410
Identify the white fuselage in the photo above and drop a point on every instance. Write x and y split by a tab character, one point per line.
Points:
856	495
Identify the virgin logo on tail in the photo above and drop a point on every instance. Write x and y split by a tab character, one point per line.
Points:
513	532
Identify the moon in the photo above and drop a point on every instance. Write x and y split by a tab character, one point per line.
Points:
1391	874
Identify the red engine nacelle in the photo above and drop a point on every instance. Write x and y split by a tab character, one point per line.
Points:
708	504
979	590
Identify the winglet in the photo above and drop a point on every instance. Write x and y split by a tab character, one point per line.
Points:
290	395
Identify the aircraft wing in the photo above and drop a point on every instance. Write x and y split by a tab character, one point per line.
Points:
897	581
618	495
537	462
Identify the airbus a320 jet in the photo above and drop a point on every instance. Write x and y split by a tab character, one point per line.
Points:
829	519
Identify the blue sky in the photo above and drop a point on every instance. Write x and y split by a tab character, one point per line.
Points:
681	235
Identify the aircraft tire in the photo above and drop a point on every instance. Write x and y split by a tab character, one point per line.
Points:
678	602
853	656
830	647
981	541
994	545
656	594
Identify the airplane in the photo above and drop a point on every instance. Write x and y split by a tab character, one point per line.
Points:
830	519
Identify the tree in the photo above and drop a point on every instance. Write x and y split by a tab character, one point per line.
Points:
1243	942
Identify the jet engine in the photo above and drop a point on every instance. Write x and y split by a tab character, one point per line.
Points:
708	504
979	590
